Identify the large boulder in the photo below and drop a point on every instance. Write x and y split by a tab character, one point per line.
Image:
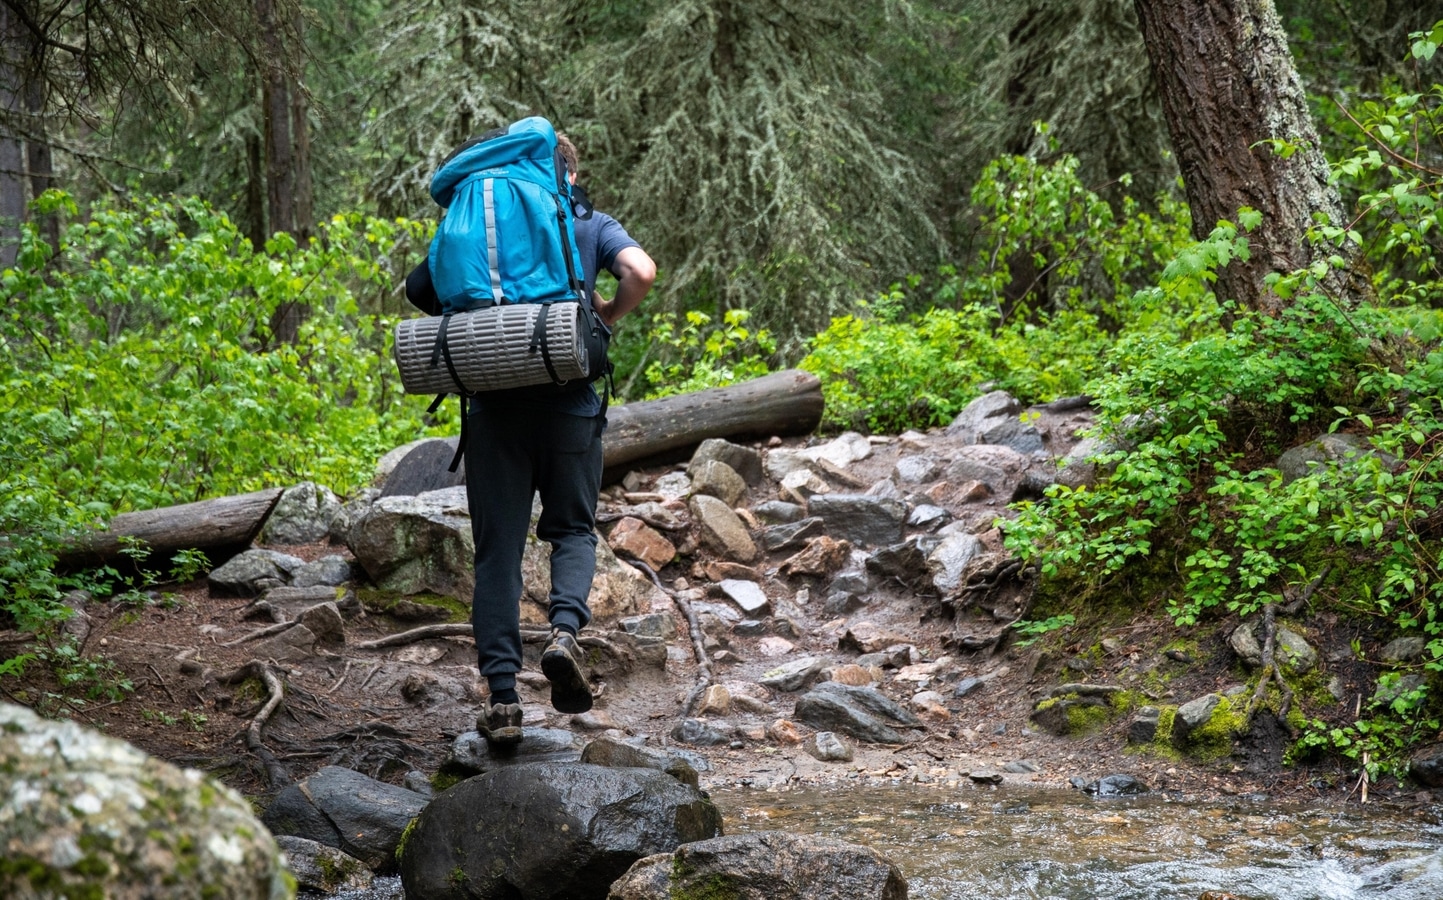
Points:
344	809
996	419
549	830
253	572
765	865
869	521
85	815
302	515
860	712
420	544
617	589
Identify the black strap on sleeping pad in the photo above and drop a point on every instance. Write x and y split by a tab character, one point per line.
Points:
441	350
539	342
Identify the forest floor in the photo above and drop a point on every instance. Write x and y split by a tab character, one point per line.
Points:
387	712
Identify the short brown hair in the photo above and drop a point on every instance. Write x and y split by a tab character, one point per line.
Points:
568	153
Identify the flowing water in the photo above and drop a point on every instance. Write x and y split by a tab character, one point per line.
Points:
1010	843
1049	844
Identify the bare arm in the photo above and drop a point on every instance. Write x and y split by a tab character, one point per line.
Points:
635	273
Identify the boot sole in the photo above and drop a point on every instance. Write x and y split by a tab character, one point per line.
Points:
508	736
569	691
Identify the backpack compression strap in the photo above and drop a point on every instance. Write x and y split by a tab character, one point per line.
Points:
439	351
538	342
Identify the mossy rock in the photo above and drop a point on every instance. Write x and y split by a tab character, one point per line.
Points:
414	608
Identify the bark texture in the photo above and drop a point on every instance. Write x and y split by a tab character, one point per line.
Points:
1227	82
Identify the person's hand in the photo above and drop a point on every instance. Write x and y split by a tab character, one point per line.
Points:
605	309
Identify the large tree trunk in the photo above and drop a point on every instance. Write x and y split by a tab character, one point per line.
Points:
221	527
1228	84
12	158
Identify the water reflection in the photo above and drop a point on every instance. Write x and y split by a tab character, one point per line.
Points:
1061	845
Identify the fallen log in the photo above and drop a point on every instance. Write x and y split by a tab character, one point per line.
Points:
217	526
782	403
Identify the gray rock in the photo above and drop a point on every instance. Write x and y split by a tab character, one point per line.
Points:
747	595
749	628
827	746
917	469
1077	468
765	865
868	521
301	516
1426	767
928	517
419	544
973	684
252	573
860	712
321	868
1340	449
344	809
1391	688
675	485
1406	649
893	657
351	510
1290	648
1191	716
985	776
793	535
660	625
331	571
1244	642
698	734
471	755
1143	728
745	461
722	530
995	419
842	603
717	479
886	489
850	580
905	561
999	468
841	451
780	463
89	816
1115	786
609	752
425	467
778	512
795	675
1022	767
947	563
549	830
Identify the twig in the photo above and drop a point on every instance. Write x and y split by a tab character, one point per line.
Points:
450	629
698	644
163	686
276	773
345	672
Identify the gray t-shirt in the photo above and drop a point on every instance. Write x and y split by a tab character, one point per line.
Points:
598	240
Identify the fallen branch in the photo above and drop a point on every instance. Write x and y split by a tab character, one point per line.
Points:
698	644
276	773
448	629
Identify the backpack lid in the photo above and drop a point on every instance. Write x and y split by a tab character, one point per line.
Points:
525	150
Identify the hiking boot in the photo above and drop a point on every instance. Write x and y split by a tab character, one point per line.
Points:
561	664
500	724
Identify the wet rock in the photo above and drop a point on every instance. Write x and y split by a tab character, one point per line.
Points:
928	517
717	479
820	558
842	603
986	776
86	815
1143	728
501	835
747	595
792	535
745	461
860	712
345	809
1115	786
471	755
994	418
698	734
947	562
1426	767
905	561
1191	716
795	675
779	512
321	868
827	746
722	530
917	469
868	521
420	467
1290	648
765	865
419	544
328	571
749	628
612	753
302	515
1406	649
252	573
633	537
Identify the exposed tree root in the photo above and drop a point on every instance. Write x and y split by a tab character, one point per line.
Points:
1271	672
276	774
698	643
266	632
425	632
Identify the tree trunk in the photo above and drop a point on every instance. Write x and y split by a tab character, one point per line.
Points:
12	160
220	526
782	403
38	157
1228	83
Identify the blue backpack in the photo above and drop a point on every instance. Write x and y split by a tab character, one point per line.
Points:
507	235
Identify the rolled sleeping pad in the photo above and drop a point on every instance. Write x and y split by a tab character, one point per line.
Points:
492	348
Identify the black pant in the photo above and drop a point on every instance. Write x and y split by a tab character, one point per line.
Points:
512	452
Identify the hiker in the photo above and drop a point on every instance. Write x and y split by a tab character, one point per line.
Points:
540	439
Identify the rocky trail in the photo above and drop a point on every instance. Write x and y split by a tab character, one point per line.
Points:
777	613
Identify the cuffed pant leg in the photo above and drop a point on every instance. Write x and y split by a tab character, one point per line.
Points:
499	479
570	481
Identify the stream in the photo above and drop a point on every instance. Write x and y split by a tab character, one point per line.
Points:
1017	843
